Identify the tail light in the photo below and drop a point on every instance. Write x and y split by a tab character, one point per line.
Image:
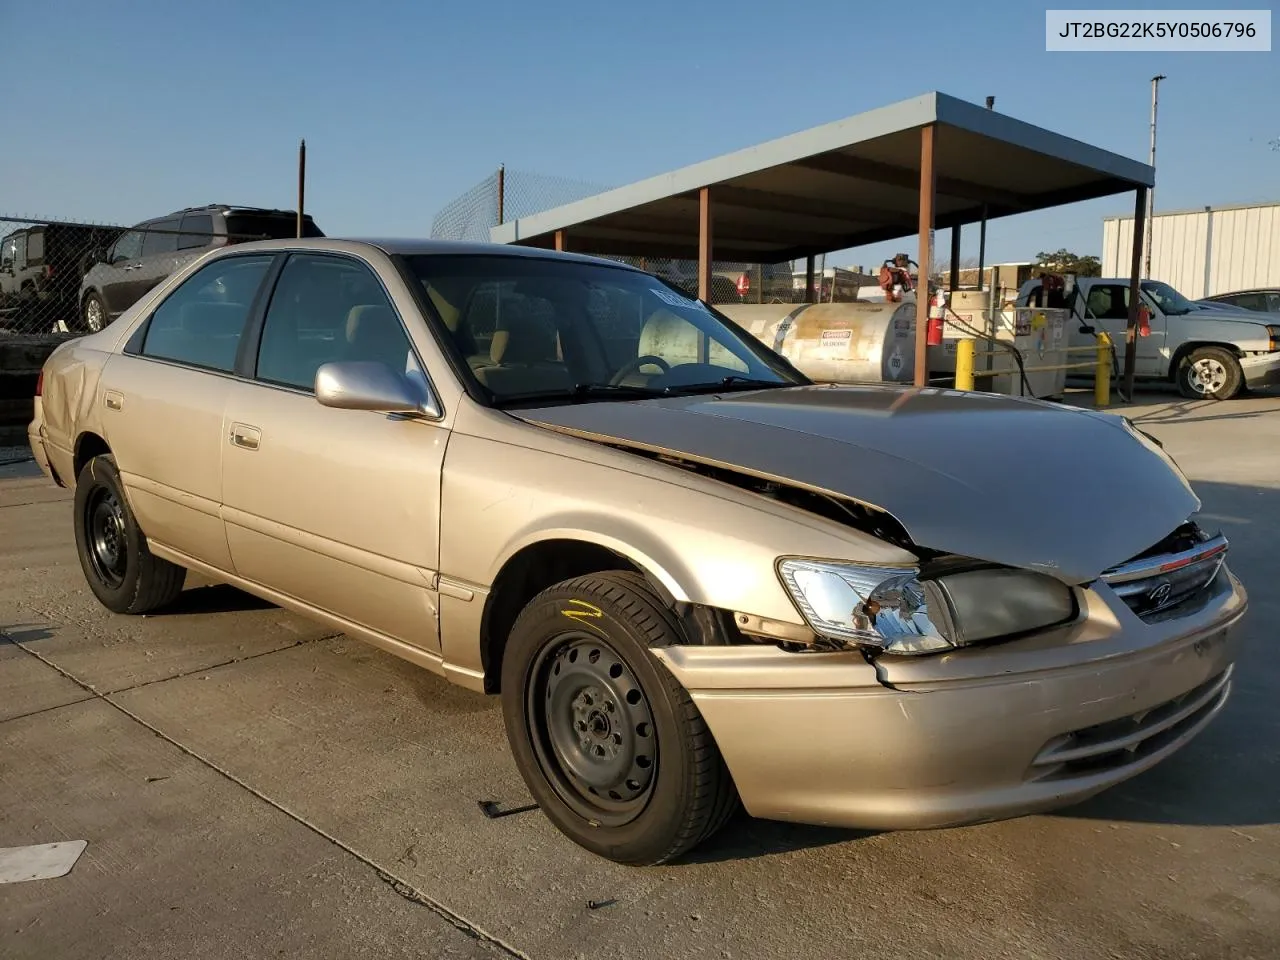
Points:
48	271
40	384
744	285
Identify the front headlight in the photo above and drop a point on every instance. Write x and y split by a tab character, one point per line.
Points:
897	611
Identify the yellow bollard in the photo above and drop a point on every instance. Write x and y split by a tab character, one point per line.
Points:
1102	373
964	364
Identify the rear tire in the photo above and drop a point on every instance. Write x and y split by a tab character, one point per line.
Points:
118	566
1210	373
610	744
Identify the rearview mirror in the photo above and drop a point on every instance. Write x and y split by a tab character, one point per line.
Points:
369	385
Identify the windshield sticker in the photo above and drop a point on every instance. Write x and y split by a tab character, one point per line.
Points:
673	299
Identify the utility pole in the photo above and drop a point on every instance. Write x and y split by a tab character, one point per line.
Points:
302	181
1151	194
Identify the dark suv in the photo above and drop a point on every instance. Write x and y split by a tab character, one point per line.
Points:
41	267
149	252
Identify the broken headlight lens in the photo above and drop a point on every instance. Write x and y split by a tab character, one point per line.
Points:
895	610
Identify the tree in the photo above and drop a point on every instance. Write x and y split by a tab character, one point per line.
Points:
1063	261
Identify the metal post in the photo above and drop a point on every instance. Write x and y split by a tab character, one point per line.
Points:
928	188
302	181
560	240
954	282
1131	329
704	244
982	230
502	192
808	279
1151	195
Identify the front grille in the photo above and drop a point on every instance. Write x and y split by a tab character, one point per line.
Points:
1173	573
1119	743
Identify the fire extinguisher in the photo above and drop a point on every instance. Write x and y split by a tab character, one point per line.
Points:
1144	320
937	314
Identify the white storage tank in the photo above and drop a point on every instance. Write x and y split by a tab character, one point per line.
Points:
837	342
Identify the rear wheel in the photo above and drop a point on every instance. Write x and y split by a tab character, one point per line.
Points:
120	569
612	748
1210	373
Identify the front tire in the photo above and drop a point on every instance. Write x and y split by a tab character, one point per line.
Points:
611	746
1210	373
93	314
120	569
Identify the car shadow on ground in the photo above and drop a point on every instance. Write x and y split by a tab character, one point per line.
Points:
212	598
745	838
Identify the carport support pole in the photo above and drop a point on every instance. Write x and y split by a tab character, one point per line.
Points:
954	282
704	244
928	187
560	240
1135	274
808	279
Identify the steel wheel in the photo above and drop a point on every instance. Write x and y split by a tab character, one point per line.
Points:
593	729
108	548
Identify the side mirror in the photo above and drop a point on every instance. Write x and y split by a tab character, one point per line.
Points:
369	385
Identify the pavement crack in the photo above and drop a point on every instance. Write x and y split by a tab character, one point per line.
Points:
222	663
398	884
36	713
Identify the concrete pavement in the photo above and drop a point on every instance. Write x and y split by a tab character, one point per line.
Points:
250	783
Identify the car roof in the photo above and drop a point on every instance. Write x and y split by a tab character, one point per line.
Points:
409	247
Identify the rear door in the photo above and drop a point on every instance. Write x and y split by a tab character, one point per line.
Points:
159	256
164	398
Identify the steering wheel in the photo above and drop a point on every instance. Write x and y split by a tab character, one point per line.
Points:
633	366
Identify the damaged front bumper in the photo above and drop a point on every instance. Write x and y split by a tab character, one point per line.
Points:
1261	369
970	736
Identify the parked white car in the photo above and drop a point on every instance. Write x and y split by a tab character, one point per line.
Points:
1209	354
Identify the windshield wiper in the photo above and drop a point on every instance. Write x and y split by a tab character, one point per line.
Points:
733	380
586	391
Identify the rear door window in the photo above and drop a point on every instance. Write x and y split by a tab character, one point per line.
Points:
161	237
197	231
201	322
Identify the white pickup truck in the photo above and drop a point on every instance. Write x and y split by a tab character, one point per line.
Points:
1210	354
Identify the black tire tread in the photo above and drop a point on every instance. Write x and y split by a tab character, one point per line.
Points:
158	582
715	798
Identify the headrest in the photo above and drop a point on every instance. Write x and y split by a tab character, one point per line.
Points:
524	339
668	336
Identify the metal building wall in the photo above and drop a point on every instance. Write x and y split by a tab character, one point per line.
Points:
1203	252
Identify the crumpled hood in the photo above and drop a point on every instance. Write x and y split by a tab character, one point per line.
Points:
1019	482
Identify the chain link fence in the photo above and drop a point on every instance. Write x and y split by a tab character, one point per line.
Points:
507	195
42	263
63	278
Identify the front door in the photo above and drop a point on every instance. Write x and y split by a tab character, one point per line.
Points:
163	403
337	508
119	271
1107	308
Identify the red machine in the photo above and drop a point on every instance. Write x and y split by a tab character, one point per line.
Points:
895	277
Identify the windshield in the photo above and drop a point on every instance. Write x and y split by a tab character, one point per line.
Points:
1169	300
531	328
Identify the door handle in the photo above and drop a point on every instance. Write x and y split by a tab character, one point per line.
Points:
113	400
245	436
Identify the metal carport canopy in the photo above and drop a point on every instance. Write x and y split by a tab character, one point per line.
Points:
844	184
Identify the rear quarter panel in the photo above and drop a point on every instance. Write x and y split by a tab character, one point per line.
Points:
68	405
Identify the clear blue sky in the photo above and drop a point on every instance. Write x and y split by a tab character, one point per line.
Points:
123	110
